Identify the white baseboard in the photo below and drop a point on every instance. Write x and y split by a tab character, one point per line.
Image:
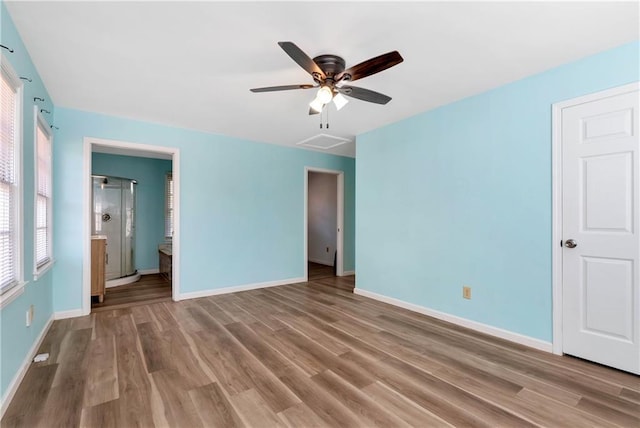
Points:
148	271
348	272
68	314
320	261
473	325
17	379
235	289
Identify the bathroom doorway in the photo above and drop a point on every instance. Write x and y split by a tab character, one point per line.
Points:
323	222
132	207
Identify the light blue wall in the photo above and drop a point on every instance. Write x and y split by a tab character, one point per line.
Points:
149	215
462	195
241	204
15	338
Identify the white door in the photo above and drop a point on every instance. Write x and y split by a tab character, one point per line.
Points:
600	220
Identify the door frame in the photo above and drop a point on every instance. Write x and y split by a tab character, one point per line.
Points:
556	178
339	219
135	149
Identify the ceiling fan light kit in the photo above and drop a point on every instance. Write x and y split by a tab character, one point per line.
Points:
329	75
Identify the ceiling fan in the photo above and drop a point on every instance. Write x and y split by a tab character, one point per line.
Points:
329	75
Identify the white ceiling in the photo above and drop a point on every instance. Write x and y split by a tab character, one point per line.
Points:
191	64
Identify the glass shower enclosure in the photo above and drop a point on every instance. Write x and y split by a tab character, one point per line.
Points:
113	216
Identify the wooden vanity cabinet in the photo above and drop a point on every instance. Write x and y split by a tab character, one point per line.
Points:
98	268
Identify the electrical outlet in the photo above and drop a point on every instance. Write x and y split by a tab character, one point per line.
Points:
327	249
466	292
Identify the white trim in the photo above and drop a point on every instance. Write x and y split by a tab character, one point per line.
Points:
339	219
7	69
237	288
556	204
89	142
122	281
348	272
17	379
40	121
12	294
473	325
39	272
73	313
148	271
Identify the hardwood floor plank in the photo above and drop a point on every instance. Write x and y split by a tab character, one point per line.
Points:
419	393
102	375
358	402
254	411
621	415
179	409
560	414
321	402
214	408
630	395
403	408
215	311
72	363
323	359
63	406
103	415
26	407
306	327
301	415
308	354
134	388
272	359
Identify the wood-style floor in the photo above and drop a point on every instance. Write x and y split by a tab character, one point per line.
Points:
318	271
305	355
149	289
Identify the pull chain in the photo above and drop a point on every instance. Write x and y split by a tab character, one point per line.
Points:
326	118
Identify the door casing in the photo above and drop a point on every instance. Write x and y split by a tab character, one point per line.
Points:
339	219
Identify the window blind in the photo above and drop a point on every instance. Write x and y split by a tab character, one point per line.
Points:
8	184
168	212
43	197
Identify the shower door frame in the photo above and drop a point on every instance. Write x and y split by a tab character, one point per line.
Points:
131	149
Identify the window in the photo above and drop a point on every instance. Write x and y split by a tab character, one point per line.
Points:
10	191
168	209
43	203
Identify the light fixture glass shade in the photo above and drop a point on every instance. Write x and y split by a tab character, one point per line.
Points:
316	105
324	94
340	101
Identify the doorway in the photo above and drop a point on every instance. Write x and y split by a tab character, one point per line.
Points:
150	171
596	241
323	223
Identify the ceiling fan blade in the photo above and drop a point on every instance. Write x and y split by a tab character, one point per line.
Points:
302	59
281	88
364	94
371	66
312	111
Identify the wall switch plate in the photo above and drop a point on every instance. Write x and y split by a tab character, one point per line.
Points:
29	314
466	292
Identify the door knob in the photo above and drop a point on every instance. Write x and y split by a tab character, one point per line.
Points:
570	243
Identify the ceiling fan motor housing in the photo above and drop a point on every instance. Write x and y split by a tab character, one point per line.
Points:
331	65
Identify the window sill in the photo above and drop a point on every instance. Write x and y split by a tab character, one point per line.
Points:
12	294
43	269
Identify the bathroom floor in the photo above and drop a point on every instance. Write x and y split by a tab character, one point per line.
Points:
150	289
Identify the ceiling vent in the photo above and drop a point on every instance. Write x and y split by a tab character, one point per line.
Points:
323	142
